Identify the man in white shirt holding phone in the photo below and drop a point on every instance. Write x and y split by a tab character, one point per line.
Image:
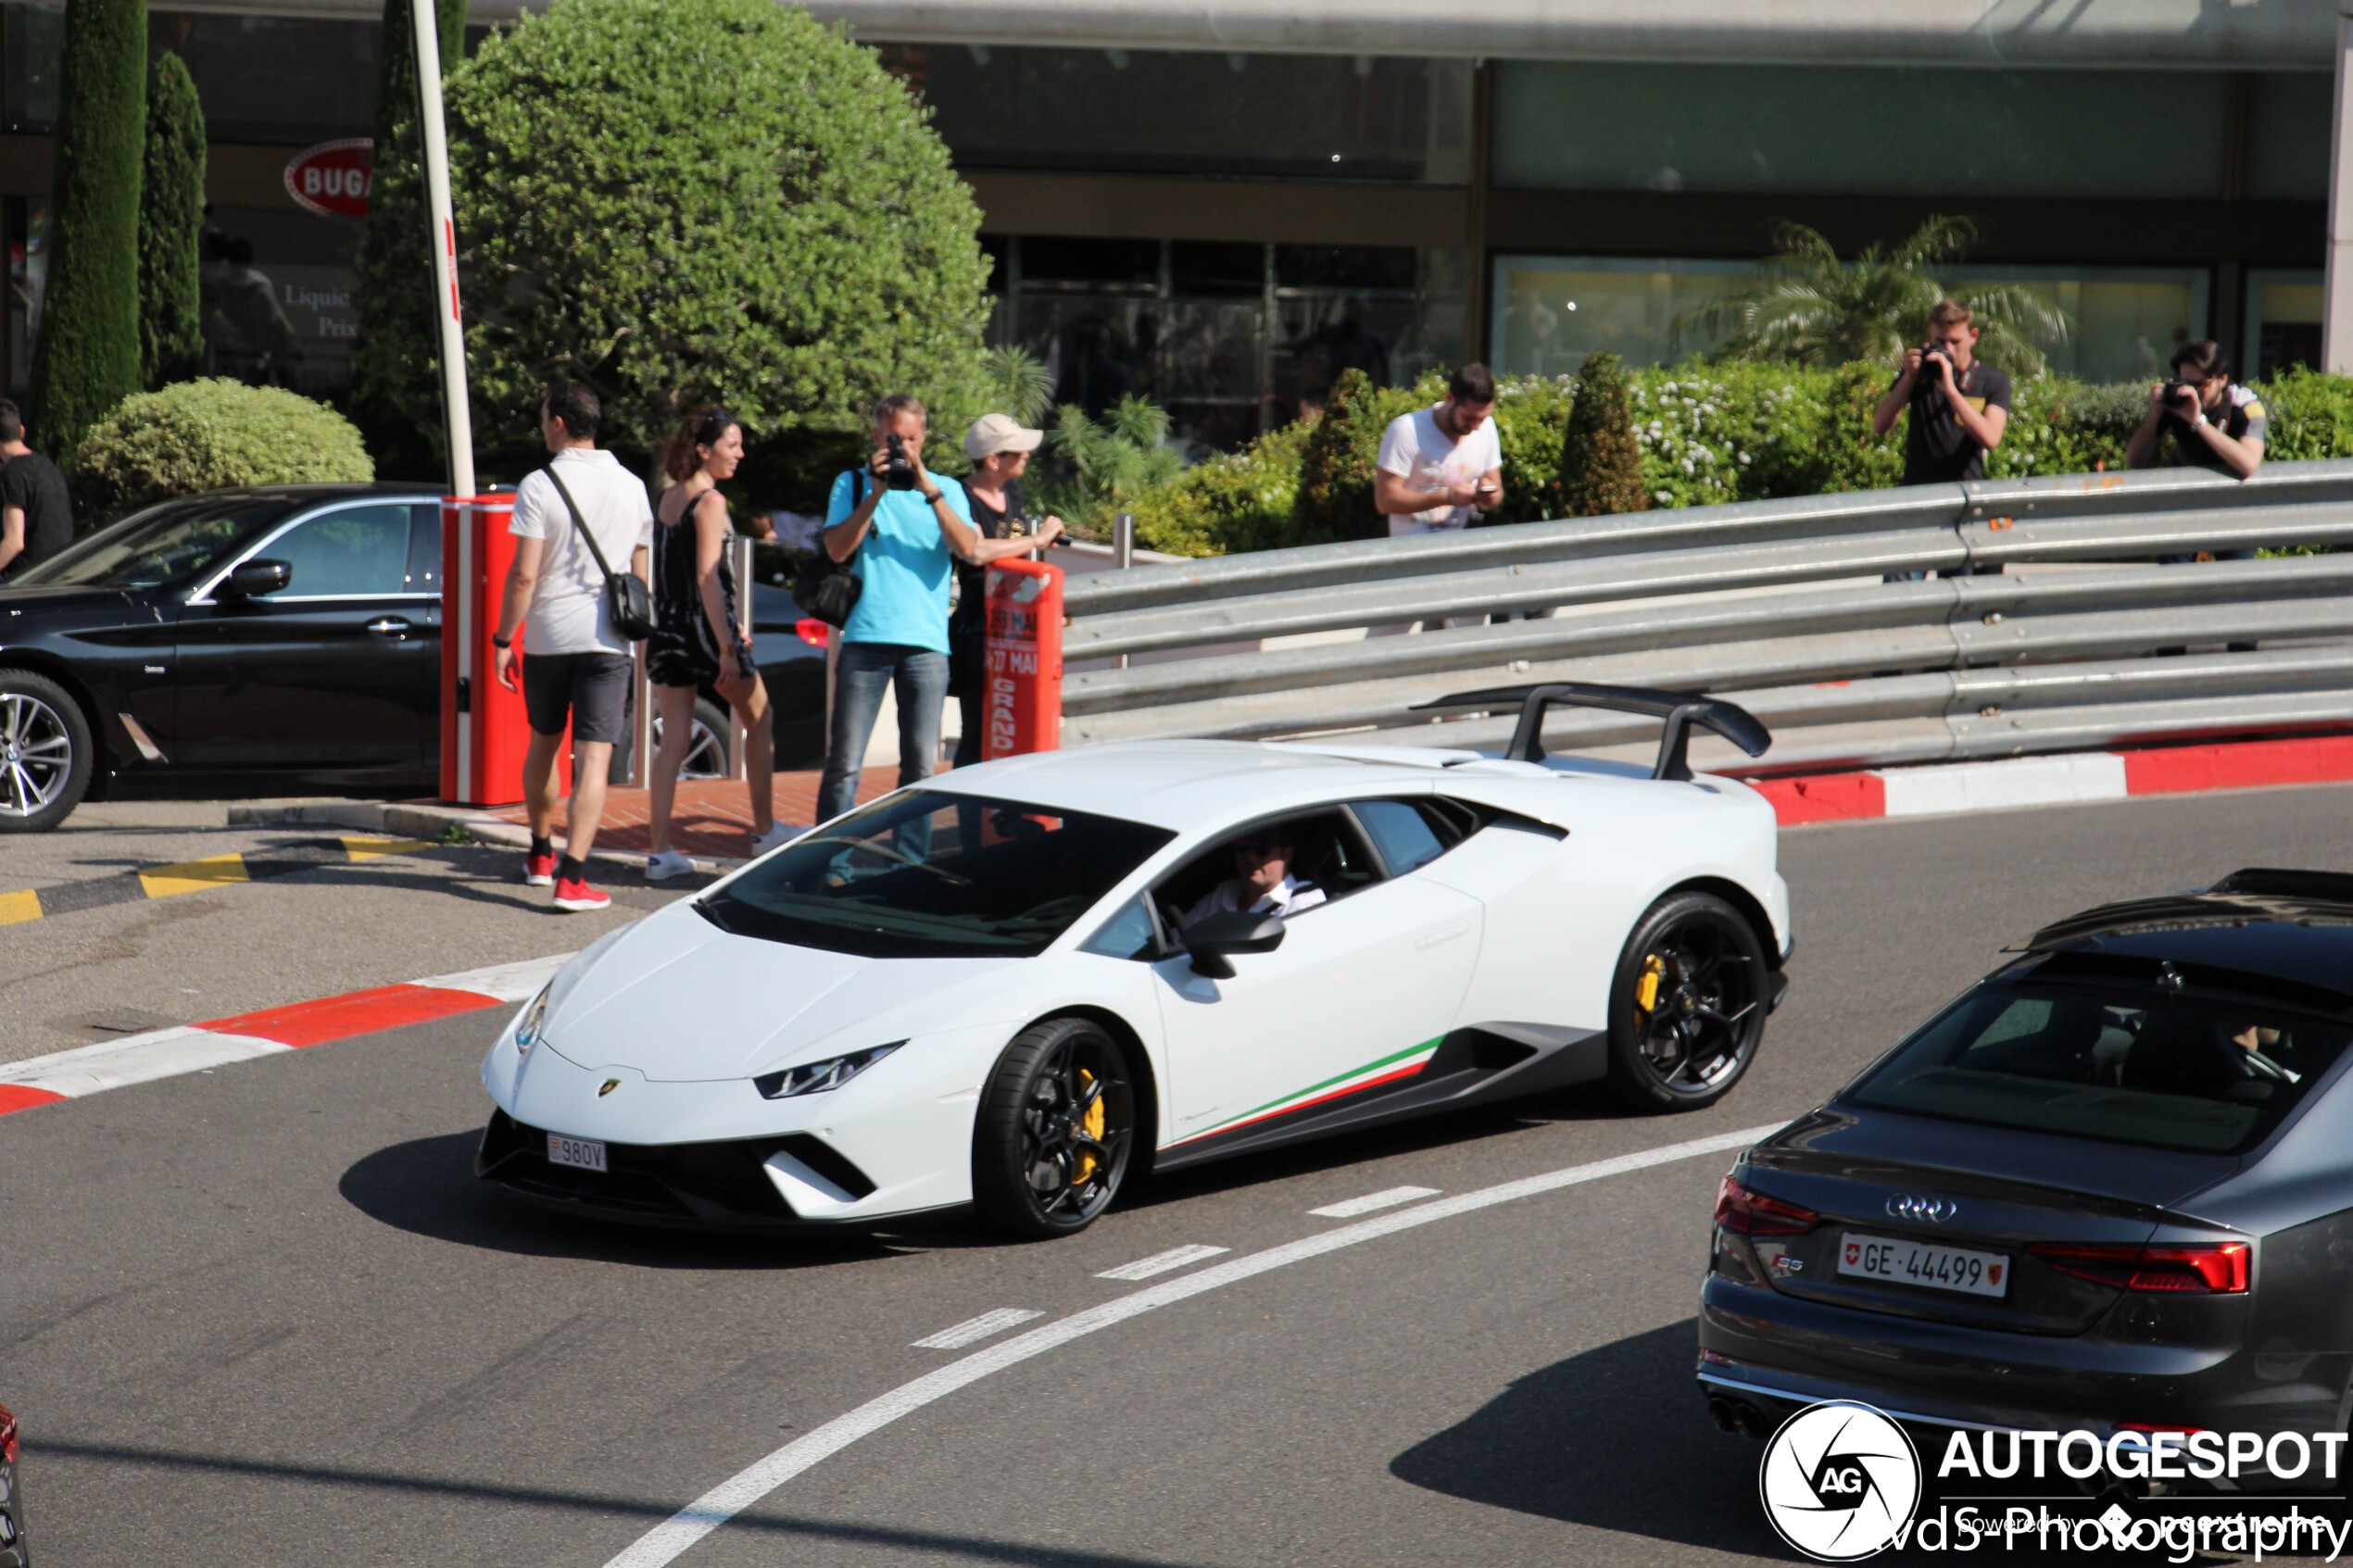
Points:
1441	466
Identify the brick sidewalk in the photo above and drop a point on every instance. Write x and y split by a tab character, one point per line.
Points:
712	816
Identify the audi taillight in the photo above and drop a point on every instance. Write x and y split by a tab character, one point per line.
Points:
1752	1214
2214	1268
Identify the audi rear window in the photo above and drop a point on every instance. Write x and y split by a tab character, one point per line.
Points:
934	876
2193	1075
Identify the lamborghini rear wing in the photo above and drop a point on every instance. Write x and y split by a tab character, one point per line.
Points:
1681	709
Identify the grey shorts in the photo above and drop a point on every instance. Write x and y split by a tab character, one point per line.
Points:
592	689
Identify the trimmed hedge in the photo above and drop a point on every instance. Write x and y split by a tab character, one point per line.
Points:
171	215
207	435
1707	433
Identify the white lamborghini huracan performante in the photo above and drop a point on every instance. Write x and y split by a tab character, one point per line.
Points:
1018	985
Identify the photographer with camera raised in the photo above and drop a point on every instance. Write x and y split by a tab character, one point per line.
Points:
900	527
1960	404
2201	417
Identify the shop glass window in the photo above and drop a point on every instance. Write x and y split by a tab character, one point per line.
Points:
2283	320
1551	311
287	80
1863	131
1186	112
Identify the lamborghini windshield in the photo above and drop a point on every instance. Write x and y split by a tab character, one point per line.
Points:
932	875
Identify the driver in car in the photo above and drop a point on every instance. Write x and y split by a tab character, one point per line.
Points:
1262	881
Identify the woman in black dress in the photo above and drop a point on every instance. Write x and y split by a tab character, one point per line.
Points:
999	449
697	638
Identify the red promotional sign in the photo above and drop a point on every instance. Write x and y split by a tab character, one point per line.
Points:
1022	710
333	178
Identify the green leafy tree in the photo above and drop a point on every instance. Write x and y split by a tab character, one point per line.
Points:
1017	384
171	217
87	360
1119	459
395	371
1803	303
1335	498
688	203
210	434
1601	464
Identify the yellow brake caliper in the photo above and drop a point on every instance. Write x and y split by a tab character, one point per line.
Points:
1647	989
1094	1123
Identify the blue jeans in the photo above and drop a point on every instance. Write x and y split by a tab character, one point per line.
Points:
862	671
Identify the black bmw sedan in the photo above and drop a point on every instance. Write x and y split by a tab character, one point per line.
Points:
285	634
2109	1187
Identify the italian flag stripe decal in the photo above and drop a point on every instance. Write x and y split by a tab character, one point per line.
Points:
1387	1070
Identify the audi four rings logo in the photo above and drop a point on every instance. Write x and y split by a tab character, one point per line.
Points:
1922	1211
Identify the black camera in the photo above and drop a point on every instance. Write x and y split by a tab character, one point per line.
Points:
1927	357
897	472
2174	390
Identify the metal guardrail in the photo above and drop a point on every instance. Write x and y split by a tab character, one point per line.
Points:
2062	636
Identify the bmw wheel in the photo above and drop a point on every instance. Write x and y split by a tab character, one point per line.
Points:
1056	1127
45	753
706	741
1687	1008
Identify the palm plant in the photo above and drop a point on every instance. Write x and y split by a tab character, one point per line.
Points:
1120	457
1804	304
1017	384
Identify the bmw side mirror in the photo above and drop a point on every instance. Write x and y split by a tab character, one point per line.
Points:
1212	938
253	578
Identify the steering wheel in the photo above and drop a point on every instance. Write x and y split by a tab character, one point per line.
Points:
892	852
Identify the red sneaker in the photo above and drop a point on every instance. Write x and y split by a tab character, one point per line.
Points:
574	893
539	871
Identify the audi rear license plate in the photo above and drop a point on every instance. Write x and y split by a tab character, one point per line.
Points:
585	1154
1920	1263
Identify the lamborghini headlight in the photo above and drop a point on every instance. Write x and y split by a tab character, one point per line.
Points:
817	1077
535	1018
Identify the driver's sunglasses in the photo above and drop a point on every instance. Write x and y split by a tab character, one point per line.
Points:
1256	846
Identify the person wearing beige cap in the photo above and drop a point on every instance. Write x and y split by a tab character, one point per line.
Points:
999	449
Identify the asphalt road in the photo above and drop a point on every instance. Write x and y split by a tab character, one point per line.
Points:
265	1315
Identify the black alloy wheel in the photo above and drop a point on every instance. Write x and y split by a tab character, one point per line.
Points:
46	752
707	741
1687	1008
1056	1127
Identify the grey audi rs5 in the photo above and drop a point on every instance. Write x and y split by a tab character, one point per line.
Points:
2110	1187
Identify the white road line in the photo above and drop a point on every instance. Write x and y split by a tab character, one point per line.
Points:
975	1329
667	1540
1161	1262
1372	1201
507	982
134	1059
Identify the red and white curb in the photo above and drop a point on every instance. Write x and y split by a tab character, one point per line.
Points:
196	1048
2056	780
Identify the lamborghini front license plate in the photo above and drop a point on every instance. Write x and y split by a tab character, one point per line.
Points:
1915	1263
587	1154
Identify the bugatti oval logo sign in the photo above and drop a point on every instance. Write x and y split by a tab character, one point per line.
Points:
333	178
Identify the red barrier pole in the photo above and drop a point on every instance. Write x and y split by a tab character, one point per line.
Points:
1021	709
484	730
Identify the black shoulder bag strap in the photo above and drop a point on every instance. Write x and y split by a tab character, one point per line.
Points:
632	601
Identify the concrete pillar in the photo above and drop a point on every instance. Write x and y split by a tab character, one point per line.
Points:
2336	302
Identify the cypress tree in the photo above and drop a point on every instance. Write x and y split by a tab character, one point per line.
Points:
397	344
171	218
1600	467
87	360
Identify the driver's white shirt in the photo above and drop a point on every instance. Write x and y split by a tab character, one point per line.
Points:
1227	897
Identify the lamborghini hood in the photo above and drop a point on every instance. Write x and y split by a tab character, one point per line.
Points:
679	1000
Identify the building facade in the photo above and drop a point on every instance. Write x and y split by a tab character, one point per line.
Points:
1222	207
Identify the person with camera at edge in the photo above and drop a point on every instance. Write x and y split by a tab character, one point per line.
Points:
1960	406
2201	418
900	527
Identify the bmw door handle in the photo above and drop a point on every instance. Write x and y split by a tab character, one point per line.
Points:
388	626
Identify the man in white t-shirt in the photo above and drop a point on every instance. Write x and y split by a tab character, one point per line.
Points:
1441	466
575	668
